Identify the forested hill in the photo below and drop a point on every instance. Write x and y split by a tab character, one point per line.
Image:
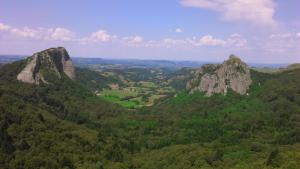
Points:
49	125
63	125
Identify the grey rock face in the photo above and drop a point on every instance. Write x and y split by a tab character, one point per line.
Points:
47	65
26	75
232	74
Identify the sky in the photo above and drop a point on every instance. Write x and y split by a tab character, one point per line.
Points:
258	31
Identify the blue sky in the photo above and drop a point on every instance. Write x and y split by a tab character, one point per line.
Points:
259	31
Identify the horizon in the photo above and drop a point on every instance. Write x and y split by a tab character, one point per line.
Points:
259	32
252	64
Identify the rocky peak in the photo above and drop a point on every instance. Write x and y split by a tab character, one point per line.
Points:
46	66
293	66
233	74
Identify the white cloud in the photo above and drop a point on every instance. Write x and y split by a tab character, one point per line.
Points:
62	34
59	34
236	40
178	30
133	39
284	35
4	27
281	42
254	11
151	43
137	39
167	42
170	41
25	32
280	35
209	40
102	36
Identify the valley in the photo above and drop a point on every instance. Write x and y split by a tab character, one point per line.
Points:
150	84
214	116
135	87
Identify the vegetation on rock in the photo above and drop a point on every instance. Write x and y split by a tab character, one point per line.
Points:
233	74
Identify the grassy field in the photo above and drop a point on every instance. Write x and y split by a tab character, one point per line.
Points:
142	94
121	93
135	88
119	96
125	103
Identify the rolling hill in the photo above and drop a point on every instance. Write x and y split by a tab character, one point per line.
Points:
61	123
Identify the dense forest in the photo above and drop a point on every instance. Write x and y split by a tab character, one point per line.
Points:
64	125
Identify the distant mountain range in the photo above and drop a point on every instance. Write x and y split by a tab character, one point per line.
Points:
10	58
125	63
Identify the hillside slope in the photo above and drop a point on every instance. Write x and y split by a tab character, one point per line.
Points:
260	130
49	125
64	125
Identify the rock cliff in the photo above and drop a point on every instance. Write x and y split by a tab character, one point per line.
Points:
46	66
293	66
219	78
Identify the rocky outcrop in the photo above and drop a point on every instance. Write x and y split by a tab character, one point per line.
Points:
27	74
46	66
293	66
212	78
